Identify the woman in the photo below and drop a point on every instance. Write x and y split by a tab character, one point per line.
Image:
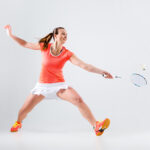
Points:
51	84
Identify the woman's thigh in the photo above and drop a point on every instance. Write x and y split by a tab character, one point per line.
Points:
31	101
70	95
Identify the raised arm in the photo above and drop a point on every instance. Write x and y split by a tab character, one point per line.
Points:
88	67
34	46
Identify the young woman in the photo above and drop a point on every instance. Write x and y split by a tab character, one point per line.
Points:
51	84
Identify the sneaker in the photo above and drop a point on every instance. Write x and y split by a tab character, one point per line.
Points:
101	126
16	126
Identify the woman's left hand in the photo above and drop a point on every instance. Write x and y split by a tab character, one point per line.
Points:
8	29
107	75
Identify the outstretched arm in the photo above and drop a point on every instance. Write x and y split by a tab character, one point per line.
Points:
88	67
34	46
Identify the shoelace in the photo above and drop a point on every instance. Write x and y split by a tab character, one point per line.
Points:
15	124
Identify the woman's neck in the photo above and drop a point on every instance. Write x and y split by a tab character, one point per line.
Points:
57	47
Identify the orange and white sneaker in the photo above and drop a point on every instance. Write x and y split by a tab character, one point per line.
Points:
16	126
101	126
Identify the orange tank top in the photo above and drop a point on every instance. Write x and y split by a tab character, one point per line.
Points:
51	70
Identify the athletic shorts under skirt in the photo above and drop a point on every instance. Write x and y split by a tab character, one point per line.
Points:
49	90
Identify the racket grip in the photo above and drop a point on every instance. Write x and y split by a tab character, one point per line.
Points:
104	75
117	77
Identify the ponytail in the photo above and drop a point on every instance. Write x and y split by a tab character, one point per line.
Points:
48	37
46	40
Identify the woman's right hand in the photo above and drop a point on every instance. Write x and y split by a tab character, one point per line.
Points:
106	74
8	30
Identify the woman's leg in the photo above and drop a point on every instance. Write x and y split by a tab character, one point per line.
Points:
72	96
28	105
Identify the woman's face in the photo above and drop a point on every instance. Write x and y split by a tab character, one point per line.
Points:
61	37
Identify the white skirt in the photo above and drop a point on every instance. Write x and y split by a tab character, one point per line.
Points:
49	90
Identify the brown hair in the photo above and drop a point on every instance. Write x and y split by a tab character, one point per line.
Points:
48	37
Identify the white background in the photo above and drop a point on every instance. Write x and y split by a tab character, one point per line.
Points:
110	34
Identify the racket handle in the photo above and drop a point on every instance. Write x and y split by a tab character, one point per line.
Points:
117	77
114	76
104	75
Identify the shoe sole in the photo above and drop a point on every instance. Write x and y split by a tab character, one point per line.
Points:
104	126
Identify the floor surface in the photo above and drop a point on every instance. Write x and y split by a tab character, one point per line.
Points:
27	140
